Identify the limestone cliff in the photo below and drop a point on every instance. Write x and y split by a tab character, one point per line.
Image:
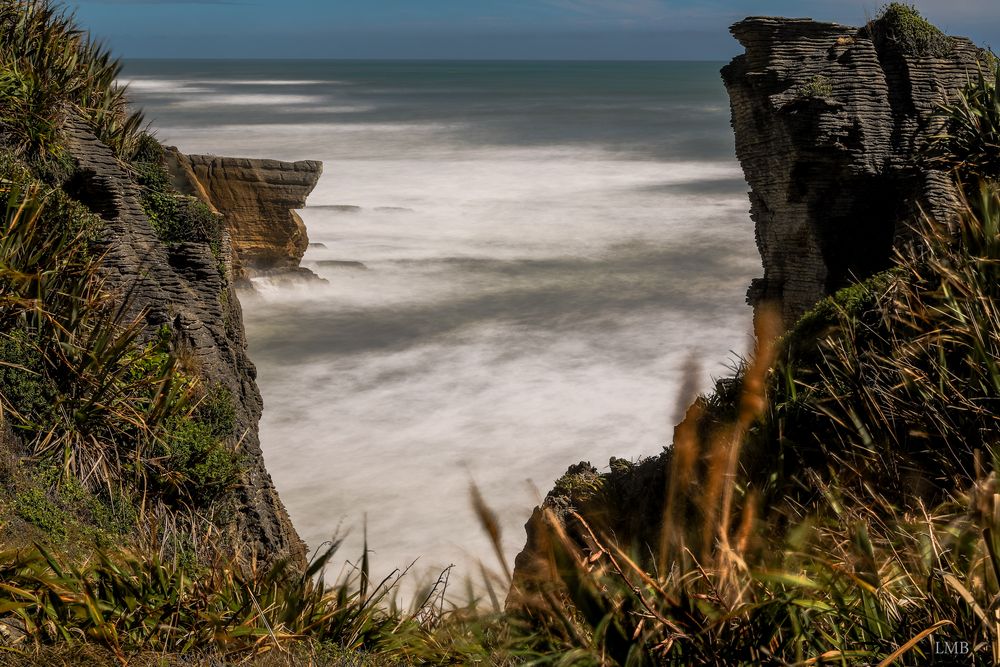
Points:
181	286
830	123
257	198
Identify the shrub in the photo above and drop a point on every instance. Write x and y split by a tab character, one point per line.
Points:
818	86
49	68
902	24
969	139
176	218
194	461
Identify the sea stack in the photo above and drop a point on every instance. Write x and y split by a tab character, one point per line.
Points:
831	126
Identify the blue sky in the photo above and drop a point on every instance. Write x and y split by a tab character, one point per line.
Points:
561	29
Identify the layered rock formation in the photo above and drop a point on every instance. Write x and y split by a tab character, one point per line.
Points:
830	127
830	124
181	287
257	198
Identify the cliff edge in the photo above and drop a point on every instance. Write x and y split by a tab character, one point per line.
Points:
257	199
186	289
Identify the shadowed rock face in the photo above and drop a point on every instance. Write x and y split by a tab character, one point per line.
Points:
257	199
830	125
182	287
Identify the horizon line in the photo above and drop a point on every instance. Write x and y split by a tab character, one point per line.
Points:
429	60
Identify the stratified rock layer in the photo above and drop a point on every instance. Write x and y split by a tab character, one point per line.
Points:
182	287
830	128
257	199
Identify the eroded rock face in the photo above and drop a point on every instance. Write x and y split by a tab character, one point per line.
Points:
182	287
830	126
258	199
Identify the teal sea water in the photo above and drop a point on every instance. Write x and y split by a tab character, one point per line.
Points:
548	246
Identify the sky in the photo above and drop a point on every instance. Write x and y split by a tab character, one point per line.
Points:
474	29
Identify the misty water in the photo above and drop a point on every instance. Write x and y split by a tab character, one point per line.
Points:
547	246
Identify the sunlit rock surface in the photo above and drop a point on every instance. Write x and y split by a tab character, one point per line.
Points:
258	199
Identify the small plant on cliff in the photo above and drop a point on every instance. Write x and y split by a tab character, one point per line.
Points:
903	25
175	217
817	87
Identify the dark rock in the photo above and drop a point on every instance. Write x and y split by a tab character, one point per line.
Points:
296	276
341	264
836	178
318	246
393	209
182	287
339	208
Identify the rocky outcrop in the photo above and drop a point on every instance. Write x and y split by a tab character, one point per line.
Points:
830	125
181	287
258	199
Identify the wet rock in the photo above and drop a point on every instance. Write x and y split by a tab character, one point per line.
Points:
341	264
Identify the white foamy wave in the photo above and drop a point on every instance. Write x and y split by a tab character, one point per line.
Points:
273	82
173	86
260	99
526	306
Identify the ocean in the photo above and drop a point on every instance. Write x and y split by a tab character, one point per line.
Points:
548	245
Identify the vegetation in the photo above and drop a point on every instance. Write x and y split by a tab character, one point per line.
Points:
834	503
818	86
969	141
176	218
50	71
902	24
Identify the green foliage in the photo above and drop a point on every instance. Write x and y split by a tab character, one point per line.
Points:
903	25
34	506
817	87
49	69
579	483
853	302
140	603
176	218
23	382
194	460
80	385
969	141
64	510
